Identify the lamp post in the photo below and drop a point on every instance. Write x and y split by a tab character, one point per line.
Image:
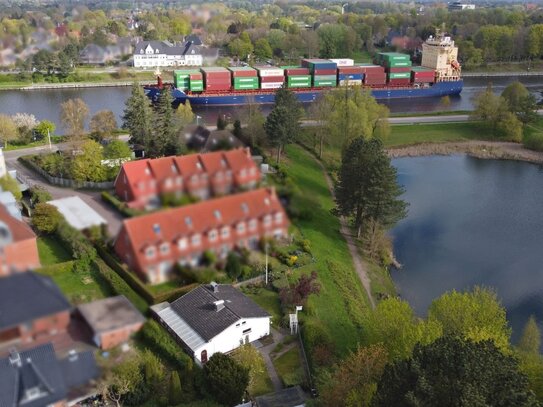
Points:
198	120
266	248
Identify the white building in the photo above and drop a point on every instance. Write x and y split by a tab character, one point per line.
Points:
213	318
458	5
150	54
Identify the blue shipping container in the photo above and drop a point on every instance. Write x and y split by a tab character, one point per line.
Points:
347	76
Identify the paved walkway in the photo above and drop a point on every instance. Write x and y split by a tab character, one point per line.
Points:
266	351
359	265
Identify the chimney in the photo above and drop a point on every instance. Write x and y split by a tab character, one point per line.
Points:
214	287
14	358
219	305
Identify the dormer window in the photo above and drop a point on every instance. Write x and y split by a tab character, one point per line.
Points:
244	208
141	51
252	224
182	243
212	236
196	240
156	52
243	173
150	252
241	227
267	220
225	232
198	165
168	183
278	217
156	228
267	201
217	214
188	221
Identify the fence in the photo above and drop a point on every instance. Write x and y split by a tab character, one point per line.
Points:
64	182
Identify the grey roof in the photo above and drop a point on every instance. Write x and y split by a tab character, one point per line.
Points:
165	47
289	397
197	309
110	314
28	296
39	369
196	40
77	212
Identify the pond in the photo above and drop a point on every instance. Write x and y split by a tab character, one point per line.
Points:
471	222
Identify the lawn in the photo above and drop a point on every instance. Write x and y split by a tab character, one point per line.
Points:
289	367
77	288
342	301
51	251
269	300
262	384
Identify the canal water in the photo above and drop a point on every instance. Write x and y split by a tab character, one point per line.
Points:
45	104
471	222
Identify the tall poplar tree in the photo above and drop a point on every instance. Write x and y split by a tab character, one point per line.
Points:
368	189
137	116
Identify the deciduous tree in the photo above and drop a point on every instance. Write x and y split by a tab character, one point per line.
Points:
102	125
353	381
530	341
368	188
297	293
394	325
87	166
454	372
521	102
73	115
476	315
250	359
227	379
45	128
45	218
184	115
8	129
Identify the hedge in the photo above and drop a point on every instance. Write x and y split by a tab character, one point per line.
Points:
119	286
119	205
158	340
139	286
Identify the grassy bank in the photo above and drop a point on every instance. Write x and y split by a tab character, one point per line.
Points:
342	302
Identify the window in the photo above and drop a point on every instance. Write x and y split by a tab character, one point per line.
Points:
188	221
203	356
278	217
252	171
164	248
252	224
217	214
243	173
150	252
225	232
241	227
156	228
168	183
196	240
267	220
244	208
179	181
212	236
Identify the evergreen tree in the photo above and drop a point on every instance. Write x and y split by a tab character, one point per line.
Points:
233	266
237	129
454	372
137	116
175	394
368	189
164	141
227	379
530	341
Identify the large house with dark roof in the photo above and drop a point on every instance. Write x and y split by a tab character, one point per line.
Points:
153	244
213	318
31	307
141	183
18	245
37	378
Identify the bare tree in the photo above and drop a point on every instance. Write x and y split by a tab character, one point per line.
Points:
73	114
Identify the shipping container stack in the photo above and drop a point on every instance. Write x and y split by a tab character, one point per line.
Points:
374	75
244	78
297	77
270	77
181	77
397	66
422	75
324	72
196	82
217	78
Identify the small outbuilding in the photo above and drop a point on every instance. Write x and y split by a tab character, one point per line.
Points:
112	320
77	213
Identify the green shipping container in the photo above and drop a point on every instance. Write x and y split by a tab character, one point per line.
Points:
393	56
251	80
400	75
299	85
324	78
199	88
324	83
299	78
242	86
397	64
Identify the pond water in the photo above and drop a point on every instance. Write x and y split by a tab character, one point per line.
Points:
471	222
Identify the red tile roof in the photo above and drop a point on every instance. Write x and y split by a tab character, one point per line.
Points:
19	230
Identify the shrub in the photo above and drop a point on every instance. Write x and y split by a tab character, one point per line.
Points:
305	245
227	379
175	395
39	195
46	218
160	342
119	205
209	258
533	141
233	266
79	245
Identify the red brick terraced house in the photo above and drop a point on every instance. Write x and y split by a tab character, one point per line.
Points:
152	244
18	245
141	183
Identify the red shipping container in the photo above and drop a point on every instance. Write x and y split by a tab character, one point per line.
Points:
372	69
296	71
266	79
374	81
325	72
376	76
196	76
218	87
399	70
421	75
355	70
244	74
220	74
399	82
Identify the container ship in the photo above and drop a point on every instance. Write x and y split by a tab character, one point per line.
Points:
390	76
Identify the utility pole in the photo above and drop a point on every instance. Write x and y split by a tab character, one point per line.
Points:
49	139
266	248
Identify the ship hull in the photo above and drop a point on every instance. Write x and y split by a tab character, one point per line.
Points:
439	89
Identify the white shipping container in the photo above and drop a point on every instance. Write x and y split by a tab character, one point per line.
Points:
271	85
350	82
343	61
270	71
